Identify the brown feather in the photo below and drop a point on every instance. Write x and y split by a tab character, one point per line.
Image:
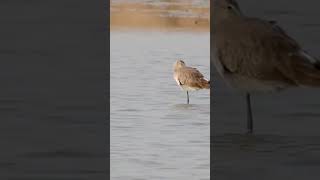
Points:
261	50
190	77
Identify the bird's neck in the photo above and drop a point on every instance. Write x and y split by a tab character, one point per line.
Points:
222	24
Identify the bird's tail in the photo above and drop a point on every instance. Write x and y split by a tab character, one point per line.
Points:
308	74
206	84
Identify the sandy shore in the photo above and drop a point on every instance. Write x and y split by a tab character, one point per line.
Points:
159	17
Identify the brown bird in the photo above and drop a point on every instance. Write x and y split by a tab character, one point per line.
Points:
189	78
253	54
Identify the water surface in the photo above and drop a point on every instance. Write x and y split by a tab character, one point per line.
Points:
154	133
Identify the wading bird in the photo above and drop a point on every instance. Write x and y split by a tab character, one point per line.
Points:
253	54
189	78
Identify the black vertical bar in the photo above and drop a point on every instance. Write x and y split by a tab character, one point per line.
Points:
211	91
107	20
53	72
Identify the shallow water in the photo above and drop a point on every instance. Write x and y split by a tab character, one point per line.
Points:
154	133
286	143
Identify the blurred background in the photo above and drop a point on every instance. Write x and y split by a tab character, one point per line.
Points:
160	14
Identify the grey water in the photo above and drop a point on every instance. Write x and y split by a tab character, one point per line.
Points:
286	142
154	133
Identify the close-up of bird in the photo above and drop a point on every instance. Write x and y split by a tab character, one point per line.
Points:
256	55
189	78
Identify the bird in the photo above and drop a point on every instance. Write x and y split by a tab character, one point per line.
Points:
257	55
189	78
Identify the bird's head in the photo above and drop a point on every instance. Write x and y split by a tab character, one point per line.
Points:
178	64
224	9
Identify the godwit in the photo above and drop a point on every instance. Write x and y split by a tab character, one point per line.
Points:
253	54
188	78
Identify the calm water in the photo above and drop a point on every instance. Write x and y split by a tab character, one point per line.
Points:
286	143
154	134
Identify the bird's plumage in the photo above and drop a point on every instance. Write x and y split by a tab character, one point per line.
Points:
261	53
253	54
189	78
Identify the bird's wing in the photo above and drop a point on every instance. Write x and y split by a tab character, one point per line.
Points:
297	64
261	49
192	77
188	74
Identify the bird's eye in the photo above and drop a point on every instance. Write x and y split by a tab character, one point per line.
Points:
230	7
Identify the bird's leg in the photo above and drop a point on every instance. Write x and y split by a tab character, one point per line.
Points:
187	97
249	115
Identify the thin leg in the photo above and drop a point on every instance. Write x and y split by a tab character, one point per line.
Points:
249	115
187	97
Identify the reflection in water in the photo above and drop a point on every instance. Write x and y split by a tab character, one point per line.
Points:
183	106
191	106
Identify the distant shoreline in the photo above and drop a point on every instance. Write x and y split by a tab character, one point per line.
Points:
126	16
